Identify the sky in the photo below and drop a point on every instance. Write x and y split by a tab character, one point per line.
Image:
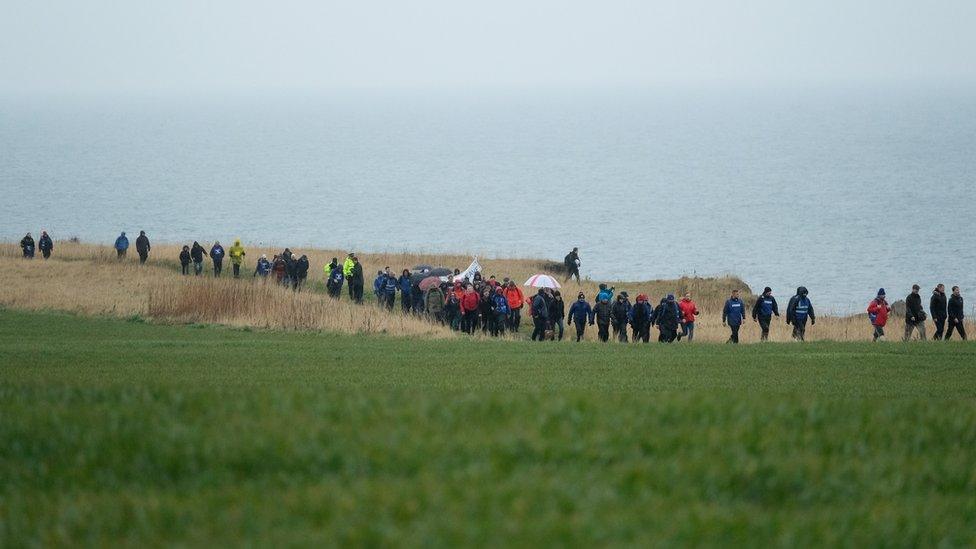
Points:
92	46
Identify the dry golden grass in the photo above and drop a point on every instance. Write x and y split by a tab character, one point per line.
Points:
88	279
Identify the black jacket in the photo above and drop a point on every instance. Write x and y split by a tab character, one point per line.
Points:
142	244
184	257
667	315
937	305
601	312
956	308
913	308
197	253
26	242
301	267
357	275
45	243
557	309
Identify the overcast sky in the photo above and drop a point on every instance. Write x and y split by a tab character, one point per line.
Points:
199	45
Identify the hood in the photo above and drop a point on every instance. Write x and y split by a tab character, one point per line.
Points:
801	291
237	242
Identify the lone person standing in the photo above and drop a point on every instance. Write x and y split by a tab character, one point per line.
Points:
572	263
143	247
914	314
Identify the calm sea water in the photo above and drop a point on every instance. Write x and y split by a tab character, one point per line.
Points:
838	190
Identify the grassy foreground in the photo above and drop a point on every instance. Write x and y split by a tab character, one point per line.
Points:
117	432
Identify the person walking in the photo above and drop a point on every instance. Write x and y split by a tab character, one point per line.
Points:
938	308
557	311
763	311
406	290
280	269
601	312
356	280
27	246
540	315
914	315
185	260
470	301
301	272
956	314
217	256
499	311
347	267
572	263
580	313
237	254
620	317
798	310
668	318
732	316
641	318
143	247
45	244
878	311
516	300
688	313
486	307
197	253
335	280
263	268
434	304
121	245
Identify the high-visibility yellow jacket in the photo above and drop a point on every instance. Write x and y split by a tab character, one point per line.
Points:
237	252
347	267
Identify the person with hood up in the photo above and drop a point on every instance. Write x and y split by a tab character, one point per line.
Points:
470	301
580	313
601	313
620	316
197	253
557	309
938	307
878	311
45	244
185	260
406	289
798	310
733	314
237	254
347	267
668	318
280	269
688	313
143	247
356	280
763	311
217	256
121	245
914	314
27	246
301	272
540	315
605	293
956	314
335	280
263	268
641	318
499	311
516	300
434	304
572	263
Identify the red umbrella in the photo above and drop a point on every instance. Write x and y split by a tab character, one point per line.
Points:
429	283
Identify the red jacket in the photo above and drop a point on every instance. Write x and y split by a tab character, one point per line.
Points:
688	310
515	297
880	309
470	301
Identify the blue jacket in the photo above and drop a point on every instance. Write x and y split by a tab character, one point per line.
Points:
765	307
379	283
336	276
734	312
499	303
217	253
539	308
263	267
580	312
390	286
404	283
122	242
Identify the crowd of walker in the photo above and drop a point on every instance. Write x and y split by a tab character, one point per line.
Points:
474	303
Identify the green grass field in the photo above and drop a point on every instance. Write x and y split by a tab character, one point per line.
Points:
115	432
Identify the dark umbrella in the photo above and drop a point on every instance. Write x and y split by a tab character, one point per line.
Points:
440	271
422	267
429	283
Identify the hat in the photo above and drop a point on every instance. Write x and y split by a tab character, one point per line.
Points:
624	294
670	297
767	289
581	296
881	291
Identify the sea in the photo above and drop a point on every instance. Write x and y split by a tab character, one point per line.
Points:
839	189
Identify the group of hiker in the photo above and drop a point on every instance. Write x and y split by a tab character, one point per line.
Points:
472	303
